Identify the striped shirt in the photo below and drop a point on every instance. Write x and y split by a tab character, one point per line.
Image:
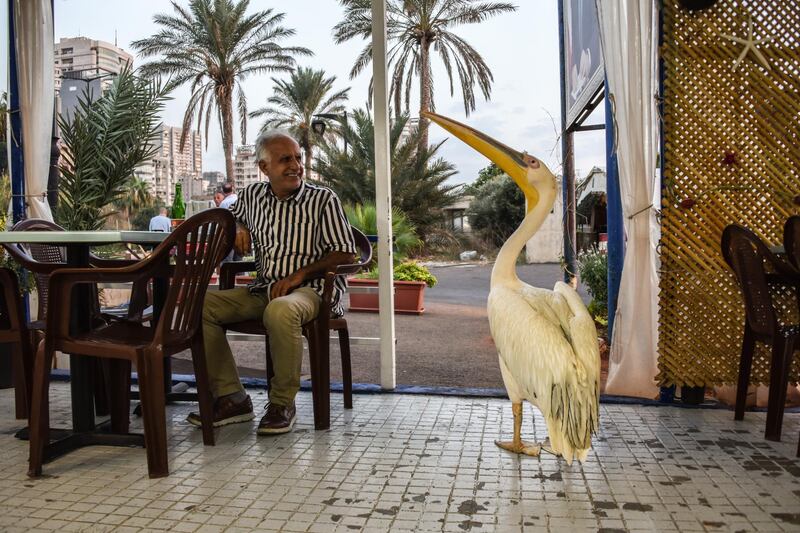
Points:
294	232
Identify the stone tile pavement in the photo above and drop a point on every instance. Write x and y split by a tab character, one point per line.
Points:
416	463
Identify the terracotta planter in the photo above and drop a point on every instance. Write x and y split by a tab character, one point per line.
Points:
408	296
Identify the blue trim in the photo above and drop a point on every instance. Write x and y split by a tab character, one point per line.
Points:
15	164
614	220
465	392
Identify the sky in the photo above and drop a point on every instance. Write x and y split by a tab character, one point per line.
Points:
521	49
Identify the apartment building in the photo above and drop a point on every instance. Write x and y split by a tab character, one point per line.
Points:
172	165
245	169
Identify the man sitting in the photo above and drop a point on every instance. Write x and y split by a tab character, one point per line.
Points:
161	221
299	232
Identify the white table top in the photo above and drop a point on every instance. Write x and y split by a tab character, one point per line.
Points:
83	237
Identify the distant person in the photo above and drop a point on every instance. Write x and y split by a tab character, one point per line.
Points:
218	196
161	222
230	197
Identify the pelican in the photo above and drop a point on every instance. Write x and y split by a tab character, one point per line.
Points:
546	340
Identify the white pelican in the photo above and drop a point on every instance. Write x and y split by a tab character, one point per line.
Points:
547	341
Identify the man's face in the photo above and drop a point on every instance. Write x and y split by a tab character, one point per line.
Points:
218	198
285	166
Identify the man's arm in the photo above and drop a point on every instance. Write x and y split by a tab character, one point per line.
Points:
328	263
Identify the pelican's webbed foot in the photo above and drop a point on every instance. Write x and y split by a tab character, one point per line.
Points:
521	447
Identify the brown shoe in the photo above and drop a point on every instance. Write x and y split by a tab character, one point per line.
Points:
226	411
279	419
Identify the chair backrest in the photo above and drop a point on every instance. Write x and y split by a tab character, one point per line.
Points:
791	239
747	255
200	243
364	253
42	253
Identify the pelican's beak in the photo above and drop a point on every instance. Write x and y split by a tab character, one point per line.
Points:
511	161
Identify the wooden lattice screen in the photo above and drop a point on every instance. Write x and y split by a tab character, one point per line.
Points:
732	155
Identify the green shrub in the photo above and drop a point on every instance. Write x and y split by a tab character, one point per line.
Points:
497	210
408	271
593	271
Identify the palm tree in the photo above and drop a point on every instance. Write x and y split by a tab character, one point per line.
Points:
137	196
418	176
295	103
214	45
412	28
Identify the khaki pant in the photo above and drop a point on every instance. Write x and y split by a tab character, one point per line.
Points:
282	317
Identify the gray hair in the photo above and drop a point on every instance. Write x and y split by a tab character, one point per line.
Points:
265	139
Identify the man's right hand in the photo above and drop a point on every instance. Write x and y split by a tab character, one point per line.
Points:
242	242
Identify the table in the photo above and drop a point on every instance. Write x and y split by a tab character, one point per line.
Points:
78	243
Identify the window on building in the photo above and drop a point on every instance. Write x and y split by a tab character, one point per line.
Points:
65	51
66	61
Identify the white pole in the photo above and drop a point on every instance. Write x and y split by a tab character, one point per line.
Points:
383	193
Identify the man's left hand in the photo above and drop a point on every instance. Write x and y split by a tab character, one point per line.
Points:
284	286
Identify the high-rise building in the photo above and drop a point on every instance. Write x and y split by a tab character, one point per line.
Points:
171	165
245	169
214	178
82	64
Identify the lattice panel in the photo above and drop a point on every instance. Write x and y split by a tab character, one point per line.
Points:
732	150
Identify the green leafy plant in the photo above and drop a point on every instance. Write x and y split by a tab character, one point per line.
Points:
26	283
406	271
497	210
104	142
593	271
365	218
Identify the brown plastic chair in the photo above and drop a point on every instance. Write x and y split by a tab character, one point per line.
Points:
317	332
749	257
14	330
791	245
199	244
41	260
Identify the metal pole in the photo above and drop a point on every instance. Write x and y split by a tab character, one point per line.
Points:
616	229
383	194
15	164
568	165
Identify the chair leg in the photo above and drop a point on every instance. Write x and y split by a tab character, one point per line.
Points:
347	371
39	425
319	357
101	380
151	386
204	398
778	381
119	389
21	362
745	365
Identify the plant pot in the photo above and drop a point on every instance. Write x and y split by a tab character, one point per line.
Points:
408	296
244	279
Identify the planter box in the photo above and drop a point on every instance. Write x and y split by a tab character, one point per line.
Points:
408	296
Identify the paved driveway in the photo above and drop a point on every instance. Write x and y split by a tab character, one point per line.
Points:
447	346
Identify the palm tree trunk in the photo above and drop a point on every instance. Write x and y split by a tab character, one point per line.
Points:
424	90
309	155
226	112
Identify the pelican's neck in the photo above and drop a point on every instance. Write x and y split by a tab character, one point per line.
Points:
504	270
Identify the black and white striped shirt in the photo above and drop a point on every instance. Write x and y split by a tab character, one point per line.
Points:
294	232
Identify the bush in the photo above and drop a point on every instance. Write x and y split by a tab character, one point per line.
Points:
408	271
497	210
593	271
365	218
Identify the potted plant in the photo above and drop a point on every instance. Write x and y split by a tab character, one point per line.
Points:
410	280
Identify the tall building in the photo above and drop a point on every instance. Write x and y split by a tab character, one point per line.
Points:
245	169
214	178
170	165
83	64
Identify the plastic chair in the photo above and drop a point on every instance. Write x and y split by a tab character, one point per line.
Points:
317	332
14	330
197	246
747	255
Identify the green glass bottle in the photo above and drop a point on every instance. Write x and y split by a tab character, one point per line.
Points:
178	205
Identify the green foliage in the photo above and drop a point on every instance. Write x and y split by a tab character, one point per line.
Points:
593	271
3	130
497	210
418	176
416	31
104	142
485	175
406	271
296	101
26	282
365	218
212	46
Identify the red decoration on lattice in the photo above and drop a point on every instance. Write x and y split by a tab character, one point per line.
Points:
730	158
687	203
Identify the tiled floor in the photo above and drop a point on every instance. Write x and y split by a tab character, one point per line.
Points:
417	463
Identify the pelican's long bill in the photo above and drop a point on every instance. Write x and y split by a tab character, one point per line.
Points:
511	161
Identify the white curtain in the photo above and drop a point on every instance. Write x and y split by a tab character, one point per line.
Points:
628	32
33	24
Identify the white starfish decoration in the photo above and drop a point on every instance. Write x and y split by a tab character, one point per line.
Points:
750	44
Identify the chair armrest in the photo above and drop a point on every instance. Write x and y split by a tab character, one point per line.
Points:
228	271
102	262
